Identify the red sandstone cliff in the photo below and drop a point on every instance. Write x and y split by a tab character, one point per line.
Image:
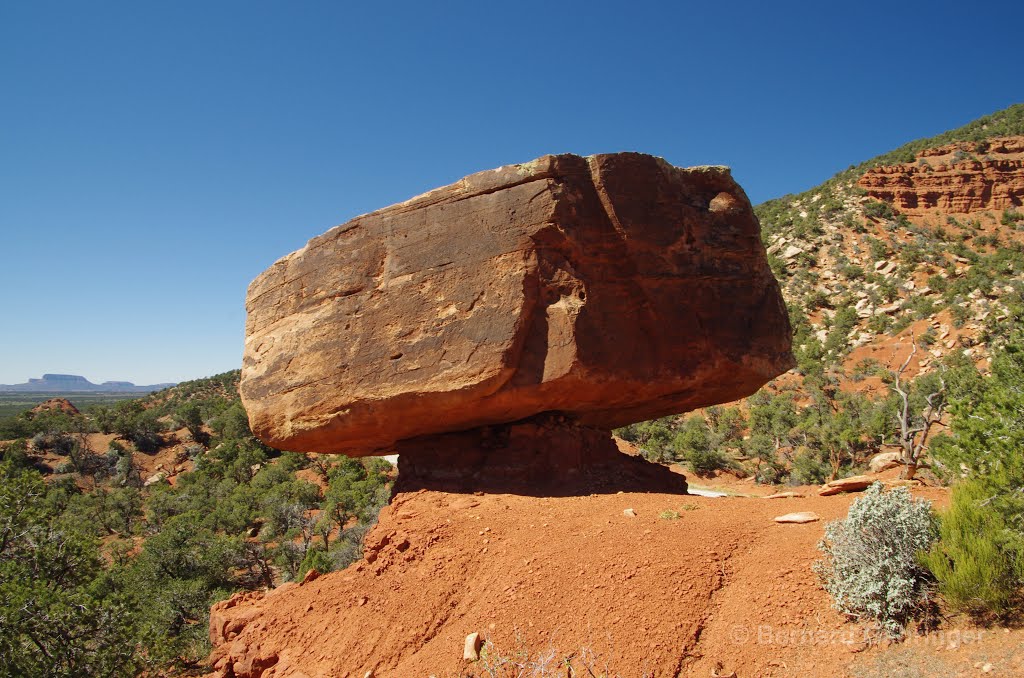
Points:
959	178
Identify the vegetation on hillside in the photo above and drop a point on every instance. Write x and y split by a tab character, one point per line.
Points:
801	434
979	561
857	273
852	268
103	573
1007	122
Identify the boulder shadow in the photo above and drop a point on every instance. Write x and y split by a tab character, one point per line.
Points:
547	455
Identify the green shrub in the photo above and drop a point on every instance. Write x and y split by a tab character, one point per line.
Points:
770	473
698	444
58	615
852	271
879	210
1011	217
652	437
318	559
809	468
959	313
979	560
871	566
706	462
880	324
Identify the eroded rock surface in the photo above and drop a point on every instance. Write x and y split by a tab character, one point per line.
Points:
612	289
960	178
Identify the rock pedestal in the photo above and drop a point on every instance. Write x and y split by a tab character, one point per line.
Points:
549	455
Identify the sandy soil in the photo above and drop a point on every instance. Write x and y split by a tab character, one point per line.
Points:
712	588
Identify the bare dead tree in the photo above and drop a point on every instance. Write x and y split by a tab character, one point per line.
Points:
914	439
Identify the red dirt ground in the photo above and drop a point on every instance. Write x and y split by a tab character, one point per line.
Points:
719	589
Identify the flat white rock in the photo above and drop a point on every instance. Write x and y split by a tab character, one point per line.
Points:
800	517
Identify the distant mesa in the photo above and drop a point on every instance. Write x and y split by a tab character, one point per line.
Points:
67	383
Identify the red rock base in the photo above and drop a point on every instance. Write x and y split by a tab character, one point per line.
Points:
546	455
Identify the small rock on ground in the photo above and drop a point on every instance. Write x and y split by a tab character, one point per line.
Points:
471	651
800	517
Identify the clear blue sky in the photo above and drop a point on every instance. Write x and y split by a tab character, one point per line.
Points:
157	156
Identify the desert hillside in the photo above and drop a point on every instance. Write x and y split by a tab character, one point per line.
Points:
195	548
629	583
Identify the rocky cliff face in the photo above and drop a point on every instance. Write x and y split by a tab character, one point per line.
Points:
613	289
955	178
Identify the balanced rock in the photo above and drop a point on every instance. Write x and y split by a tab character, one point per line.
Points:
611	289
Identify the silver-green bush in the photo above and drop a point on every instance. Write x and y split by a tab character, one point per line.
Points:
871	566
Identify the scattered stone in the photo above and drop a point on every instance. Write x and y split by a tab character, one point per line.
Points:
791	251
883	461
720	672
851	484
784	495
629	513
855	646
463	503
311	575
799	517
471	650
155	478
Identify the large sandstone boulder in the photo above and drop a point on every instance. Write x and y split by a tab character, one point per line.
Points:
612	289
